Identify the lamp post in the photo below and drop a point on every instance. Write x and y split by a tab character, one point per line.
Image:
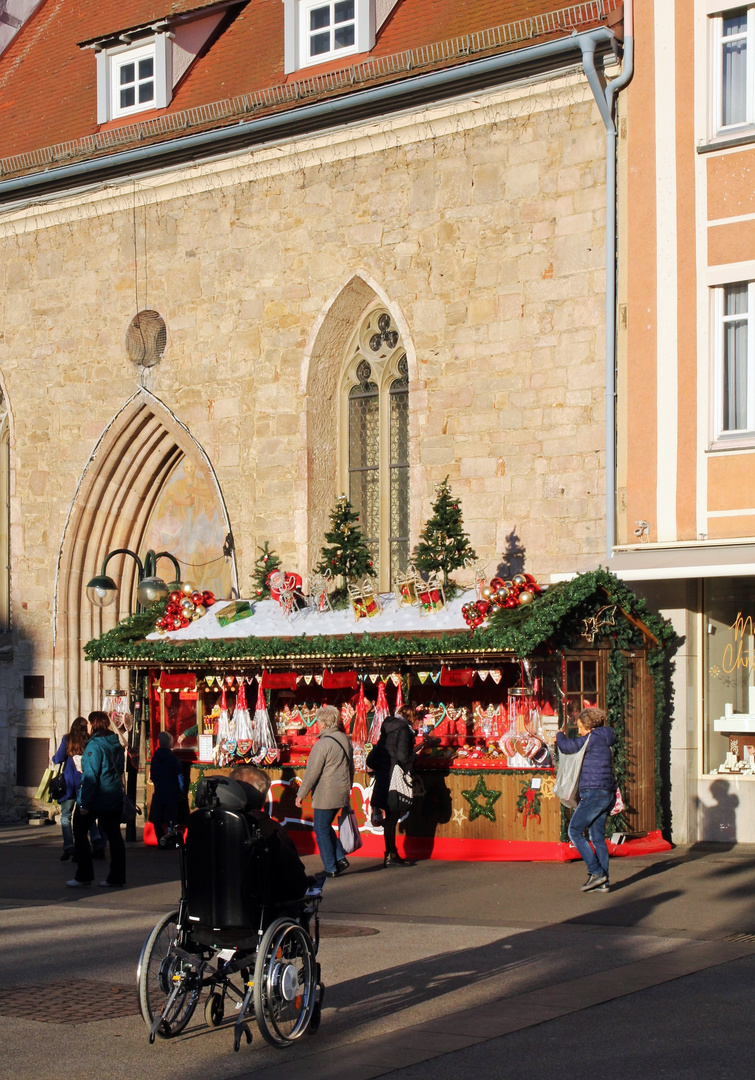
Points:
102	591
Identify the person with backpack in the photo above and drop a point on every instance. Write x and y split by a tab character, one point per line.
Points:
100	795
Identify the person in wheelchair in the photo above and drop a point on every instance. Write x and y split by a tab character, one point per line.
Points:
244	917
288	878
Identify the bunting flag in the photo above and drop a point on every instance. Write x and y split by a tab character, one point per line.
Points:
230	681
496	675
318	680
380	713
374	678
482	674
241	719
210	680
224	723
307	679
395	678
423	676
399	695
435	677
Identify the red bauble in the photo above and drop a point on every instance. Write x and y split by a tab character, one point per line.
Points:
197	596
183	621
483	607
208	598
511	602
175	596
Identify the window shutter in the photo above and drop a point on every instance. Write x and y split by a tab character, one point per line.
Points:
103	87
163	71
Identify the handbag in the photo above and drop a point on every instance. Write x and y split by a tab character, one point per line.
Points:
58	786
43	791
348	831
403	785
566	787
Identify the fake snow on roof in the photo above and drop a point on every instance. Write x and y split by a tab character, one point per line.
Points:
269	621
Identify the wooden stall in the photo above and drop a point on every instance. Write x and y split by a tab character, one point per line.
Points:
488	701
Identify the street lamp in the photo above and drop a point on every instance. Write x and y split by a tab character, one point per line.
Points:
102	590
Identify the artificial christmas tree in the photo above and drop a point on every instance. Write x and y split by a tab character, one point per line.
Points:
346	554
443	544
265	563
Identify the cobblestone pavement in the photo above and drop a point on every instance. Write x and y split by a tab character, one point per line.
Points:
440	970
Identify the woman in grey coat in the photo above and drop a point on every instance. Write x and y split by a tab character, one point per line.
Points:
329	776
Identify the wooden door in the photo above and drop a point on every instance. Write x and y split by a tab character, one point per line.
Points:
639	716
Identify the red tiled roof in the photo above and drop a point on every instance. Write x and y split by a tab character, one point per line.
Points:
48	84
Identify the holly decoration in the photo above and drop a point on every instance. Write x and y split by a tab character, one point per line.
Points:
264	565
528	803
443	544
346	553
498	595
183	607
477	809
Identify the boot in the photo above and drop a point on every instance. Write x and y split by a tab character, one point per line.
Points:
394	859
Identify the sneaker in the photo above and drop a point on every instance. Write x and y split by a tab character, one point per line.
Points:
603	888
342	864
593	881
74	883
112	884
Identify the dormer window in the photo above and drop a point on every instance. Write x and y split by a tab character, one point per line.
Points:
322	30
133	77
132	80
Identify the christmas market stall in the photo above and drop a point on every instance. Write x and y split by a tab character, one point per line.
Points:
491	674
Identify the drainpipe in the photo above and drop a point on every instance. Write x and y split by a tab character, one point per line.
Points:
605	96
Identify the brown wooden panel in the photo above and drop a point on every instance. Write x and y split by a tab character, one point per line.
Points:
639	786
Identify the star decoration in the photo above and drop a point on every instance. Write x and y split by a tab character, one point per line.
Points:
476	808
547	784
458	816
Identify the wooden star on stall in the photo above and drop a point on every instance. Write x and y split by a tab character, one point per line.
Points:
459	816
475	808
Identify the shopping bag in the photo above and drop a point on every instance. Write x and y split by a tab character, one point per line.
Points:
348	831
566	787
619	806
43	791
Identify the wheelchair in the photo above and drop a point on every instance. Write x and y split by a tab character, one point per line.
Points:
228	937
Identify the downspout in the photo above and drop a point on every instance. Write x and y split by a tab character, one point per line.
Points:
605	96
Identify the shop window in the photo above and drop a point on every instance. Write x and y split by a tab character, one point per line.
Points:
581	687
376	422
732	74
734	360
320	30
729	675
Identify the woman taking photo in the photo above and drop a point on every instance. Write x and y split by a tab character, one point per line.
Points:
597	793
101	796
394	747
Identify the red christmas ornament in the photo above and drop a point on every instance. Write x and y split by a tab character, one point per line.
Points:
208	598
197	596
175	596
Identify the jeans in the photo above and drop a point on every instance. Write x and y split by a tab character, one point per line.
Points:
331	851
110	823
594	806
66	809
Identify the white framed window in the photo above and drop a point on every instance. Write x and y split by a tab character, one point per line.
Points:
733	70
320	30
734	361
375	443
133	78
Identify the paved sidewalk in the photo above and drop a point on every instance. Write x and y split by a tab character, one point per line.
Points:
440	970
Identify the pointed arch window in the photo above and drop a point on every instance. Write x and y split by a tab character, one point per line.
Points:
4	517
376	422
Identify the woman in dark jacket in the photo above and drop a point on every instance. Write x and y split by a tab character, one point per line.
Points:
101	796
394	747
597	793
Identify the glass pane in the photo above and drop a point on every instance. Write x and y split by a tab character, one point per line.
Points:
344	11
146	68
319	43
128	98
735	23
734	78
573	675
319	17
590	677
735	376
364	458
729	664
146	91
344	37
127	74
735	299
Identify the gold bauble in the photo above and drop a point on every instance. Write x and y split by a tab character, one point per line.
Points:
525	597
501	594
195	615
199	611
187	605
486	593
519	579
188	587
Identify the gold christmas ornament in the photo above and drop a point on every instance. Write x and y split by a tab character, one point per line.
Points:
526	597
187	605
200	610
486	592
519	579
188	587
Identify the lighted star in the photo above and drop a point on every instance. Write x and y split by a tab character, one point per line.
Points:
459	818
476	808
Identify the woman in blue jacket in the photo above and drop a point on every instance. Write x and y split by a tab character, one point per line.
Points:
101	796
597	793
70	750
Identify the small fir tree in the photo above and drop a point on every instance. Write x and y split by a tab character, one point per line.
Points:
345	554
264	564
443	544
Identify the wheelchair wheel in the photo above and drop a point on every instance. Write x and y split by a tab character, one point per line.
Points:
213	1010
285	982
156	977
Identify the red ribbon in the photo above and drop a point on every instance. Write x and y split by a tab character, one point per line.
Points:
528	812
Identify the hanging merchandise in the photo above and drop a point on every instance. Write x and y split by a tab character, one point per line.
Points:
242	722
399	695
521	743
264	747
359	733
224	722
339	680
379	715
